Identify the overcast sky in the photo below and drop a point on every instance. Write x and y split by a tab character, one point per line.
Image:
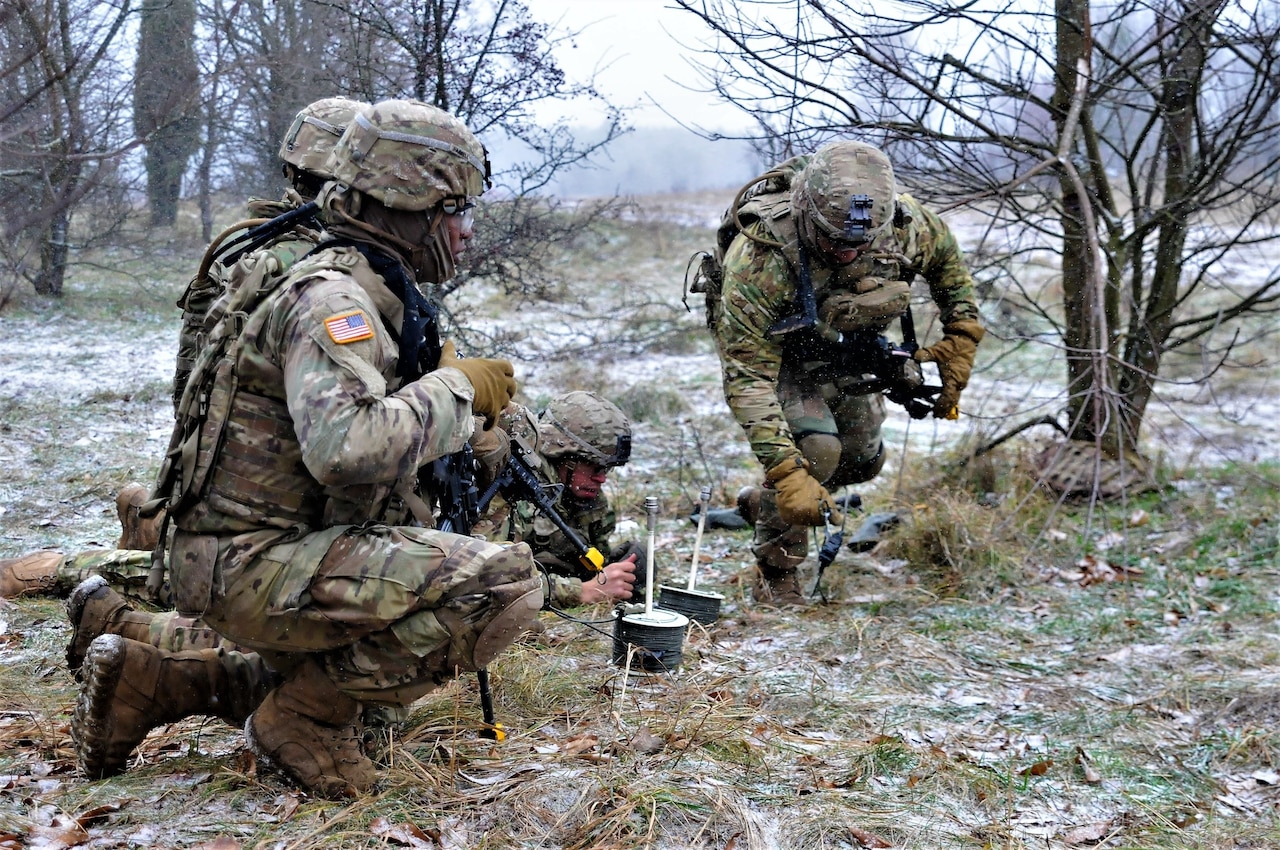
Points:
636	46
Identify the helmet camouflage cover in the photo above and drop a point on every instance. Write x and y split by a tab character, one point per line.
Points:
314	132
584	425
409	155
845	193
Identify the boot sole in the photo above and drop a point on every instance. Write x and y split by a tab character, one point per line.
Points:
90	722
76	647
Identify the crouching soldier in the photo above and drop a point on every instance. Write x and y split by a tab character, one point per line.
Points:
292	482
579	438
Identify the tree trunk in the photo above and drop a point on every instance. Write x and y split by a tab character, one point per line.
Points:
1179	100
53	256
1089	313
165	88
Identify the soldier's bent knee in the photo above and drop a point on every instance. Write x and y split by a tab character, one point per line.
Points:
823	453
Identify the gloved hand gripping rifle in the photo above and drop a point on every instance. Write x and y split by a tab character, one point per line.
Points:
519	483
880	365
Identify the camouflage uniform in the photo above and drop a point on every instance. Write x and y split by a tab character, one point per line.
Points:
789	406
308	554
594	520
293	479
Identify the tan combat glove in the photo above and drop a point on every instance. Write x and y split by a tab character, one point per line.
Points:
493	380
801	497
954	356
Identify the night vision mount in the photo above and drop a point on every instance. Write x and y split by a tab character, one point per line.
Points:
857	223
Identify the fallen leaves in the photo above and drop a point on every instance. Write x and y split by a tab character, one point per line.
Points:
1094	570
63	832
1091	833
867	839
1091	776
1040	768
404	834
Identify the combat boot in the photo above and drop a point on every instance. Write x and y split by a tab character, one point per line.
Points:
31	574
131	688
781	589
136	532
313	732
94	609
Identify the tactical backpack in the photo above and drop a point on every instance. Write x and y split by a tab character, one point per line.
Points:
762	199
204	385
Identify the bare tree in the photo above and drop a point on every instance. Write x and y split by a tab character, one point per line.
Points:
166	90
491	64
62	120
280	56
1134	139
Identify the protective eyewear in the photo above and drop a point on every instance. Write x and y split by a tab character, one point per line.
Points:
464	207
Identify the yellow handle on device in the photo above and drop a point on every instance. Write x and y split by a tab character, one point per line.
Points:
592	559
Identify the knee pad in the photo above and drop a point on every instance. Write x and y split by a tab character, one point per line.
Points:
858	469
823	453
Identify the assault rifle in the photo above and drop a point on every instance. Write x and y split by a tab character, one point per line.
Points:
519	483
453	483
462	504
864	363
453	478
880	365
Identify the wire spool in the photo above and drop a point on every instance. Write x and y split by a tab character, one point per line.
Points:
699	606
657	637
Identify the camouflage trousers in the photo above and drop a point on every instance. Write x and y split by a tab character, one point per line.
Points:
840	437
391	613
126	571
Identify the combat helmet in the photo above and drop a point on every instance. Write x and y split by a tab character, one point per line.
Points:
314	132
845	193
584	425
411	156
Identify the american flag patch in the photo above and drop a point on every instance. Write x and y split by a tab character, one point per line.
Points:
349	327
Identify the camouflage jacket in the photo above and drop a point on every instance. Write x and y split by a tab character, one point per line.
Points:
593	520
759	288
316	429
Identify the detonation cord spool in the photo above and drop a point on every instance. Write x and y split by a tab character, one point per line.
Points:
655	638
702	608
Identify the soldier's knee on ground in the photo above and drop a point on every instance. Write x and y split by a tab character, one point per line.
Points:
823	453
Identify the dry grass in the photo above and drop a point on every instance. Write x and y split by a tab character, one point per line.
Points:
1003	672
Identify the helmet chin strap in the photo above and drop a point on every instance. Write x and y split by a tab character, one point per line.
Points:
422	239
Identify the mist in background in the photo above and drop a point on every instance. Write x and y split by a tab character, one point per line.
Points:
650	160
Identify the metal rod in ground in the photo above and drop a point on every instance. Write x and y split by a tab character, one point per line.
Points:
697	540
651	508
493	729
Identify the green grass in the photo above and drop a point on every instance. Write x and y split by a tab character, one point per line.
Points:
964	651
